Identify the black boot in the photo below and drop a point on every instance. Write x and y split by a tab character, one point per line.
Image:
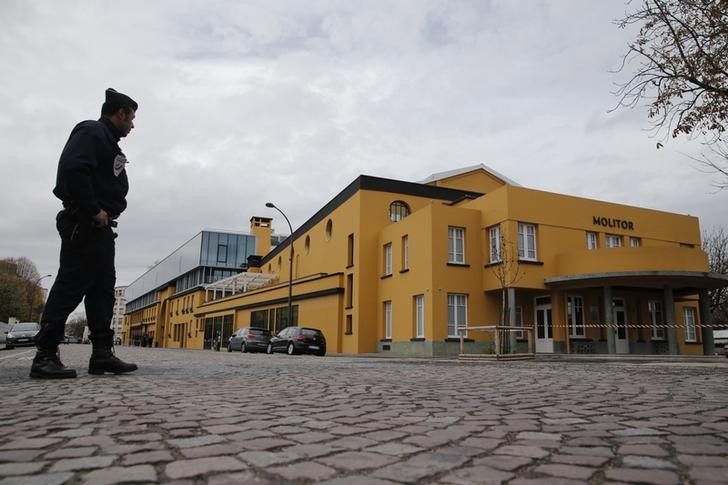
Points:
103	360
47	365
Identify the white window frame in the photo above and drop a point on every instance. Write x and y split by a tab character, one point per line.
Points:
635	242
613	240
420	316
654	307
689	318
387	259
456	245
457	313
527	241
494	243
576	329
592	240
405	252
388	319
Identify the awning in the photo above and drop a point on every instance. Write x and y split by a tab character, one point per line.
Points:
686	282
238	283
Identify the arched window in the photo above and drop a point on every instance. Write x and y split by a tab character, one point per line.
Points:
329	229
307	244
398	210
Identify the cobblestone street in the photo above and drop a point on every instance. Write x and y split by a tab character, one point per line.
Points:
203	417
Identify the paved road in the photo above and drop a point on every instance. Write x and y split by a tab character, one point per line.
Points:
211	418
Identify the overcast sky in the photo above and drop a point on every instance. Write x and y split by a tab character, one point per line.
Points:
244	102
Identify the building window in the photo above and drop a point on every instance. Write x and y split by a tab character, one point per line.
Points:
387	259
456	245
457	313
222	253
592	240
527	241
398	210
329	229
613	241
635	242
405	252
420	316
658	330
575	315
307	245
350	250
494	242
689	320
349	325
349	290
388	320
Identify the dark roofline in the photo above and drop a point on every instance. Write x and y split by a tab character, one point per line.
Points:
377	184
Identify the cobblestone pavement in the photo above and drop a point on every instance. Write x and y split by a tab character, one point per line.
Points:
213	418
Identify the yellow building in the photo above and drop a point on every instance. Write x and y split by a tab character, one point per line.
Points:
398	267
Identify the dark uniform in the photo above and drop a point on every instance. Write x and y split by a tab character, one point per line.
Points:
91	176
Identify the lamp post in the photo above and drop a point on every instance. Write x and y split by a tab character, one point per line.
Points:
271	205
36	283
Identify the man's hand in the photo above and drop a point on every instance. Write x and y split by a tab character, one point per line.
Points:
101	219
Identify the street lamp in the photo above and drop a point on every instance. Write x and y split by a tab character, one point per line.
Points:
271	205
36	283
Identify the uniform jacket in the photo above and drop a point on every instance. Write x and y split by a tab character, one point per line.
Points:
91	172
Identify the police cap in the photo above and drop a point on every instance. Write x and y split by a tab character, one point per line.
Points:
116	100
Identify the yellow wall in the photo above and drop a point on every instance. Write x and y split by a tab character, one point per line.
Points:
321	265
475	181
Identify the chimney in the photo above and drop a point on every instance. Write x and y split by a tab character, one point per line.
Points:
260	227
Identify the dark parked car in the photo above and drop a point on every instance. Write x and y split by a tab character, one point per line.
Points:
298	340
249	339
22	333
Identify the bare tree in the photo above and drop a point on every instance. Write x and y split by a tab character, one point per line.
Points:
508	272
76	325
25	268
27	278
715	244
681	52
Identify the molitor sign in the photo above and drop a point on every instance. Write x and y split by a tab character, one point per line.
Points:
614	223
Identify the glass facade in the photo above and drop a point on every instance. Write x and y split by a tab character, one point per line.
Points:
208	257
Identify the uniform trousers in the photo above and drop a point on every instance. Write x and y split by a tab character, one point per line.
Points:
86	272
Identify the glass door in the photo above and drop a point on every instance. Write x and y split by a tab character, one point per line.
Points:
621	337
544	325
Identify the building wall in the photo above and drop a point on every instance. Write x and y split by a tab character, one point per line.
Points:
340	286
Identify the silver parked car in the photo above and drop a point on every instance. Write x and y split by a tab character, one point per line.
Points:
22	333
249	339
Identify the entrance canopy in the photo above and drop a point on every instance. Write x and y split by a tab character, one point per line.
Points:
238	283
685	282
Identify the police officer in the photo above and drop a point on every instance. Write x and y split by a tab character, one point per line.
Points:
92	184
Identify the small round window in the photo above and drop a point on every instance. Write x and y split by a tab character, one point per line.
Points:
398	210
329	229
307	244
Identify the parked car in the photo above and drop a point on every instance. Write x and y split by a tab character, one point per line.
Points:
298	340
71	339
249	339
22	333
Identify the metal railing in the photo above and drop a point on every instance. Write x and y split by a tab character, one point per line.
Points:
503	343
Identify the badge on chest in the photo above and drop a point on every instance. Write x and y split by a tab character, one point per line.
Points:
119	163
